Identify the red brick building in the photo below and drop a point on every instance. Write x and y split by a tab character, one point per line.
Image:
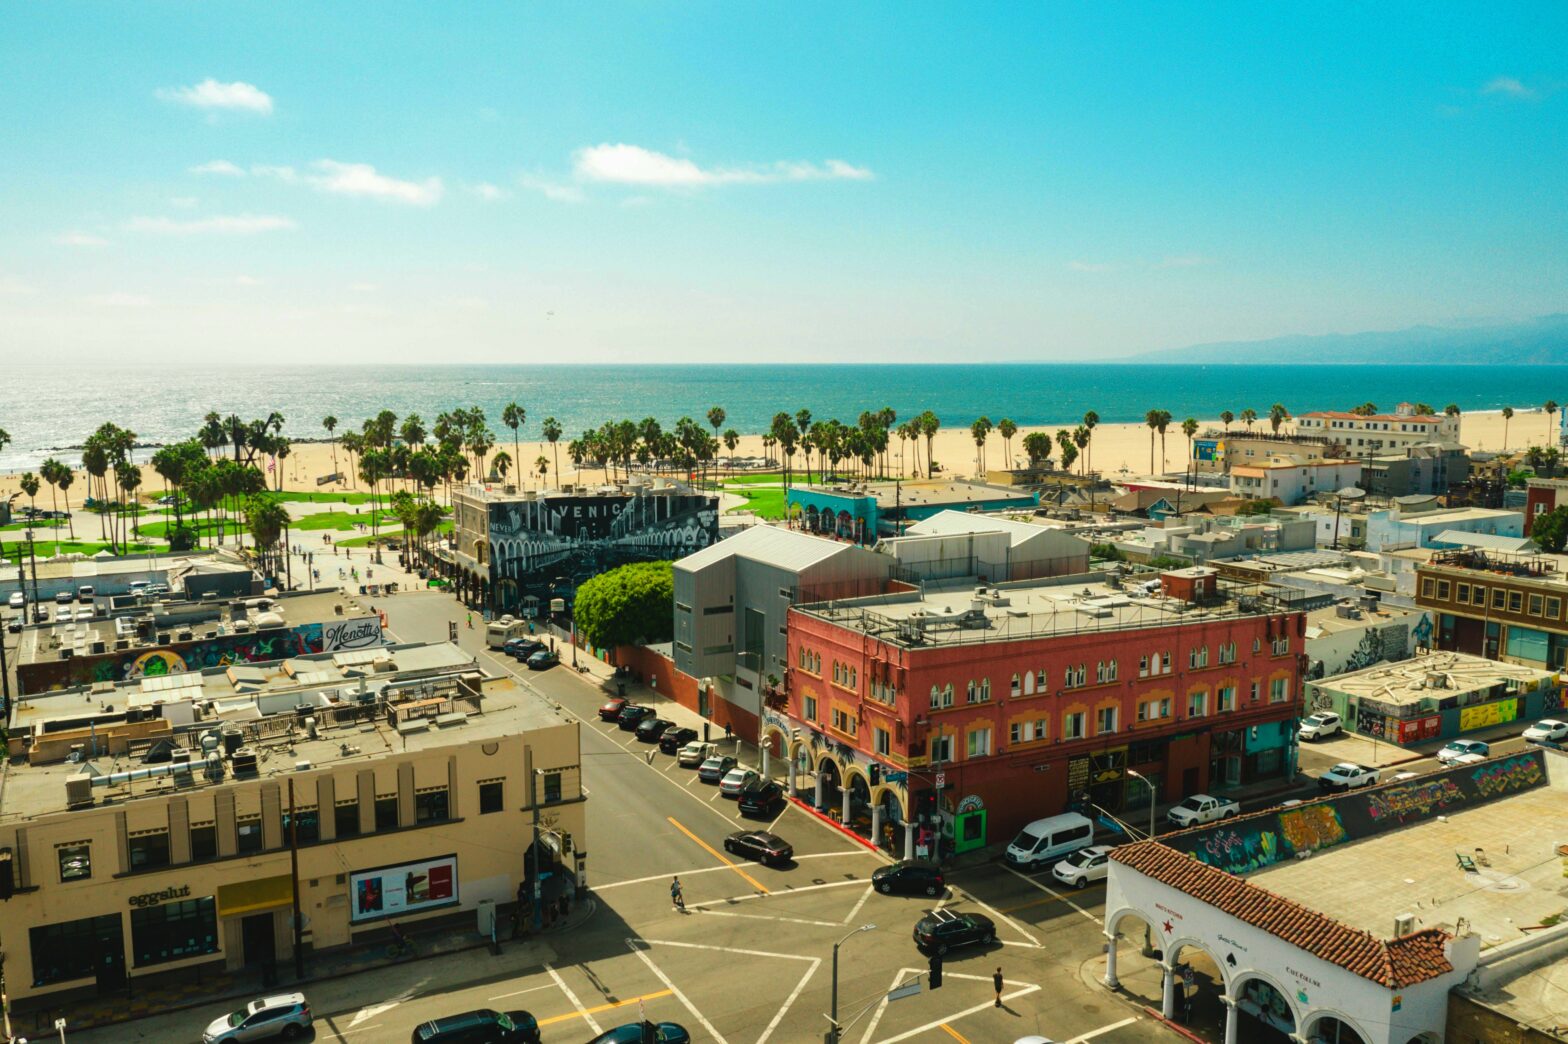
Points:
1541	496
989	707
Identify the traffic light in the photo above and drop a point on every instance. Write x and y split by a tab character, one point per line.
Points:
876	774
934	981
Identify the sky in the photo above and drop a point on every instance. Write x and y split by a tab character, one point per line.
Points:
707	182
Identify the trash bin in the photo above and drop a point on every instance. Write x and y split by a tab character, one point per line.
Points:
486	909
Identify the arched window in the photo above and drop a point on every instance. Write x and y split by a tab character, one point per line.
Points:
1017	686
1028	683
985	689
969	691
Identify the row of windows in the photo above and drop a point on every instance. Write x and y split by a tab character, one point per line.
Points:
1502	599
172	931
846	676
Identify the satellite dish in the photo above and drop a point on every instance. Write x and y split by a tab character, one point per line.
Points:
1351	493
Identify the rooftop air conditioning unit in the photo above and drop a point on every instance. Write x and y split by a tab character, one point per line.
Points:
1404	924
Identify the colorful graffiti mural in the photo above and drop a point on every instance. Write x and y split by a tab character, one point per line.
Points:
1508	775
1499	712
1241	850
1308	828
1413	800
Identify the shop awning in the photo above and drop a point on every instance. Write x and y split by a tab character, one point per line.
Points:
267	893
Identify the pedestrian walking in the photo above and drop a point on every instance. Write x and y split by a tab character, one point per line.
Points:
676	896
996	980
471	615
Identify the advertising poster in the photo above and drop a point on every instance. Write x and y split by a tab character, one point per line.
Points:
1480	716
390	891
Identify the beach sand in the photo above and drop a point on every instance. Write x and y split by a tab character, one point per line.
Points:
1117	451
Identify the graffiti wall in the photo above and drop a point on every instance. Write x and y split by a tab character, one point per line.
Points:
543	549
1240	846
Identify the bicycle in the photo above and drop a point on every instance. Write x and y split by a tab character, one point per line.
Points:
400	946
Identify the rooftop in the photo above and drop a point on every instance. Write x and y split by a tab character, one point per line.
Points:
963	613
925	492
85	568
773	545
944	523
1435	678
1396	418
638	486
1333	619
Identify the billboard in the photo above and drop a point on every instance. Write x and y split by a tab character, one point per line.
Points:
391	891
543	549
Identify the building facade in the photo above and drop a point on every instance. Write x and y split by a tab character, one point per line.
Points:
1368	435
984	708
867	512
1290	481
1542	495
1496	605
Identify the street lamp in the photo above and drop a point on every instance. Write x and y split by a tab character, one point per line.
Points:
833	1018
1150	784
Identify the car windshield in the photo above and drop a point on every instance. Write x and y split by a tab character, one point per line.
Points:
1344	768
236	1019
1079	858
1027	839
1192	804
1318	719
1459	745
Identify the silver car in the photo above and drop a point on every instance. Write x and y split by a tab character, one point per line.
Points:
285	1015
736	780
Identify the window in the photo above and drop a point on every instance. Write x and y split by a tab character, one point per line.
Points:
552	787
941	749
1105	671
1197	704
71	949
1105	720
1227	652
1554	607
1536	604
844	722
1017	686
1280	646
204	842
174	931
1515	602
1499	598
1072	725
979	742
149	850
1462	594
1165	663
1028	683
1442	590
1198	657
881	740
76	862
1148	710
1073	677
980	693
1257	645
941	698
809	704
309	825
386	812
1253	695
490	797
1279	690
249	835
1143	666
346	818
430	804
1227	700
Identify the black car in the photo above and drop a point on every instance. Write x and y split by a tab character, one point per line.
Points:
522	648
768	849
484	1026
760	799
945	929
542	660
674	739
644	1033
650	729
632	715
911	877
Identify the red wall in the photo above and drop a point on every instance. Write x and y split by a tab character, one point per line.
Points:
659	674
1538	500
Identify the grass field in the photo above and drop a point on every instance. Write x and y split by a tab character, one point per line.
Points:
324	497
51	523
48	548
342	520
764	503
364	541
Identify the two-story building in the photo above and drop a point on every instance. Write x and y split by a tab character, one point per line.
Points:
1498	605
1367	435
983	707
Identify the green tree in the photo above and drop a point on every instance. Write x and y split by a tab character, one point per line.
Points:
1550	408
551	429
1278	415
1037	445
980	430
1007	429
1508	415
1091	420
627	605
1227	418
1249	417
513	416
1550	530
268	522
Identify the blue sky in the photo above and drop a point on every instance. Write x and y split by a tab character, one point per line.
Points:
770	182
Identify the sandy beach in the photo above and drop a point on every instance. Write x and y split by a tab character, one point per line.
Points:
1116	450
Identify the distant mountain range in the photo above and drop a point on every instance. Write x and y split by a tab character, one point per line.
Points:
1542	341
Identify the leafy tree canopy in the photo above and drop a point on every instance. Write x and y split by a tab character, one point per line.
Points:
1550	530
629	604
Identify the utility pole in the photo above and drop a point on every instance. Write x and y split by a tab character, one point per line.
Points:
533	844
833	1033
299	927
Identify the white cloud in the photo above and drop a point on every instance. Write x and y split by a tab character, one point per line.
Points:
488	192
80	239
222	224
16	288
222	168
551	190
1088	266
1509	86
623	164
284	174
210	94
361	179
119	299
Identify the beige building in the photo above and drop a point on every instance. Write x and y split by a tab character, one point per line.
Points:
1379	432
149	828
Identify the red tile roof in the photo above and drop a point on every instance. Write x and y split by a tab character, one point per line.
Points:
1395	963
1403	419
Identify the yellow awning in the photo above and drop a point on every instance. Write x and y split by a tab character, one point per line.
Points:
246	897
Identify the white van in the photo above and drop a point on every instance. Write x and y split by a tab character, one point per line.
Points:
1047	840
499	632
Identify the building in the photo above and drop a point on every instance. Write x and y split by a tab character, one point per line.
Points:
865	512
983	707
175	637
952	544
1351	635
1348	920
1159	502
517	552
1435	696
1542	495
1210	538
192	573
1290	480
1431	468
149	828
1498	605
1417	521
1370	435
732	604
1214	453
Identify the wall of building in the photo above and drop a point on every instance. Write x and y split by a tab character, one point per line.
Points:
1377	639
723	703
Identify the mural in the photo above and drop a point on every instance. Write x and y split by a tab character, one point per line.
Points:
1481	715
545	548
1311	827
1239	850
1420	800
1508	775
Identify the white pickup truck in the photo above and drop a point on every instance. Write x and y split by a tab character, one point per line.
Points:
1202	808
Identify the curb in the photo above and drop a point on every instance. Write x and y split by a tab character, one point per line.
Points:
835	824
1174	1027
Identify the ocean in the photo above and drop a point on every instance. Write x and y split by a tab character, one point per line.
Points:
50	410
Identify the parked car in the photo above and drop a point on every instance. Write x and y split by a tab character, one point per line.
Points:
650	729
483	1026
611	710
85	593
1046	840
543	660
283	1015
1549	730
715	768
1320	725
157	589
736	780
1347	776
1457	749
674	739
1201	808
911	876
17	600
768	849
760	798
1083	866
632	715
643	1033
522	648
64	598
694	754
944	929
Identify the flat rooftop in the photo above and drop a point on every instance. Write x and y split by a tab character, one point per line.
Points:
1413	870
926	492
1434	677
660	486
1328	620
963	612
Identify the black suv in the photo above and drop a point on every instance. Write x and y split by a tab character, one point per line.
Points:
650	729
484	1026
521	648
910	877
631	716
674	739
760	799
945	929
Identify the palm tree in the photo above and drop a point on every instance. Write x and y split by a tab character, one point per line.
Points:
1550	408
268	523
716	416
514	417
551	428
1081	438
1165	422
1037	447
1508	413
1451	410
1227	418
330	422
481	440
50	471
1152	419
1249	417
786	435
980	430
1007	429
502	464
929	425
1091	420
129	478
542	467
63	478
1189	428
1278	415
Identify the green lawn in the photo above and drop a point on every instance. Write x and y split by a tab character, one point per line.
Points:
342	520
201	524
765	503
47	548
324	497
52	523
364	541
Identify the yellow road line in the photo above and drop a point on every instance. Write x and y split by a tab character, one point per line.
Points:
720	857
604	1007
955	1034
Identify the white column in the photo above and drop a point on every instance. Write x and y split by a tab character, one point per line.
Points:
876	824
1230	1019
1168	998
817	802
844	803
1111	981
765	742
909	840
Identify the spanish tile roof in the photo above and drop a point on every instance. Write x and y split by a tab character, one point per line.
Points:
1393	964
1410	418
